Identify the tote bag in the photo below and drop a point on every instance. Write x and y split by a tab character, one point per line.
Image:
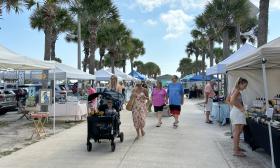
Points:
130	104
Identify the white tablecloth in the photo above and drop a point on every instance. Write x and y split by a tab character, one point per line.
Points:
73	109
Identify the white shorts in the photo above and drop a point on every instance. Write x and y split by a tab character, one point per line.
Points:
237	117
208	106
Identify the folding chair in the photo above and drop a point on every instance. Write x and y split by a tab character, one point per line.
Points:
39	120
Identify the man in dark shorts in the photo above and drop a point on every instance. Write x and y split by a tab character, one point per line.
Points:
175	93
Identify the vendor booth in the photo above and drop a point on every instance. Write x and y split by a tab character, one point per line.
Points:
220	110
261	68
104	75
121	74
73	106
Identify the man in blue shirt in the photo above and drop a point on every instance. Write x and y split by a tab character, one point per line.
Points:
175	93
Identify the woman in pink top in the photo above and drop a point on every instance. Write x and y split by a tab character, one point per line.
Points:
159	99
91	90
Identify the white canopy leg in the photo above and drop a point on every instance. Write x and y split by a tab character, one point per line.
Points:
267	106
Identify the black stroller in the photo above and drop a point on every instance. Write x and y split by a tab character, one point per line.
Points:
105	127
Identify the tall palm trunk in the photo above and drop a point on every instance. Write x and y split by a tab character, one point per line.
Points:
211	52
112	54
225	43
124	65
203	63
196	62
48	44
86	52
263	22
53	51
93	35
131	65
237	34
101	54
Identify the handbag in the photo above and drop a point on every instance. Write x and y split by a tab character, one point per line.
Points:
130	104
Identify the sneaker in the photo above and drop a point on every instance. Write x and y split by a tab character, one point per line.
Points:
158	125
175	124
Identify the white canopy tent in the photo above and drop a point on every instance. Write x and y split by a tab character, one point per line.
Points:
221	67
63	71
121	74
104	75
12	60
251	68
261	69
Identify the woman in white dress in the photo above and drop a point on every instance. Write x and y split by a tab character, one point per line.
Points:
237	115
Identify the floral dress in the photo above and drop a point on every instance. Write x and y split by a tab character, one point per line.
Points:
139	111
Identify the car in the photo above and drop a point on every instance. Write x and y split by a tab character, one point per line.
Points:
8	101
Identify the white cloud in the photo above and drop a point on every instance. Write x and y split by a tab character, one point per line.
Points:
176	21
150	5
151	22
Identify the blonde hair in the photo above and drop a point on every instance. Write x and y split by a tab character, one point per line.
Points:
240	81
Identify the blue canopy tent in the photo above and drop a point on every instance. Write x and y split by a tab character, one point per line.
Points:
137	75
196	78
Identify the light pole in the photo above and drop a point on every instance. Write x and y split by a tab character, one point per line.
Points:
79	43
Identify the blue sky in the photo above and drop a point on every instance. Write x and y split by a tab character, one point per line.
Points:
163	25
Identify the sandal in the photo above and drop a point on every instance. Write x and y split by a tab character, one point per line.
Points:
136	138
242	150
239	154
209	122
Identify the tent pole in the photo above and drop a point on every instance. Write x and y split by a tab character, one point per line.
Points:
54	81
267	106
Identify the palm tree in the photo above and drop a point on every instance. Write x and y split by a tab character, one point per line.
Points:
114	35
263	22
151	69
137	49
53	20
218	55
95	13
192	48
11	5
185	67
139	66
225	14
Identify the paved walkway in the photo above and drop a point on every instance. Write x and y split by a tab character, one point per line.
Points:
193	144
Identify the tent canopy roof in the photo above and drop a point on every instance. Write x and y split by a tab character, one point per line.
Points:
221	67
137	75
104	75
270	52
63	71
193	78
12	60
121	74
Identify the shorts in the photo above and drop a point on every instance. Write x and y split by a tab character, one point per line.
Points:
158	108
175	109
208	106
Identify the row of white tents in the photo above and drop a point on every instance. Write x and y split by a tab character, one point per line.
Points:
14	61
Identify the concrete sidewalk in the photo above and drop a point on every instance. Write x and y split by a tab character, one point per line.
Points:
193	144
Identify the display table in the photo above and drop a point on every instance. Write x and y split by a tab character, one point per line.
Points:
257	136
220	112
69	109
